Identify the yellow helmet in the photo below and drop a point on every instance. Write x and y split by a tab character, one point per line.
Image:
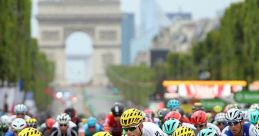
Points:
102	134
30	132
183	131
32	122
131	117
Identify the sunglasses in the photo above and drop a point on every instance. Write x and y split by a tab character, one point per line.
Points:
200	126
129	129
233	123
220	123
20	114
62	125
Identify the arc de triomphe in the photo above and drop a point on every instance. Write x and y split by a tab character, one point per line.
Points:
100	19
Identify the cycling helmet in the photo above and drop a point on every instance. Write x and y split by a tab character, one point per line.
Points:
183	131
117	109
30	132
197	106
231	106
208	132
63	118
254	116
32	122
131	117
20	109
71	112
50	122
3	126
149	113
173	115
91	121
173	104
5	119
199	117
18	124
102	134
170	126
220	117
234	115
254	106
162	113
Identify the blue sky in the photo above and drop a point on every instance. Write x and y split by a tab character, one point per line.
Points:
198	8
76	70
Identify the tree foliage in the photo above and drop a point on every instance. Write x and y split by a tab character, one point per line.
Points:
135	82
228	53
20	59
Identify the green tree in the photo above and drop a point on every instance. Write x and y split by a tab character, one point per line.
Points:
135	82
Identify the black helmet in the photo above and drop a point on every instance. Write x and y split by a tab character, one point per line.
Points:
117	109
71	112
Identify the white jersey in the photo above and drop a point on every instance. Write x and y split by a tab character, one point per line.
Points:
151	129
210	125
14	117
189	125
71	131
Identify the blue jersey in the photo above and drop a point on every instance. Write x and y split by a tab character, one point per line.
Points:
9	133
248	130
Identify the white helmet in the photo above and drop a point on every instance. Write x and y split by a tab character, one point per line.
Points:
5	119
20	108
18	124
233	115
220	117
63	118
254	106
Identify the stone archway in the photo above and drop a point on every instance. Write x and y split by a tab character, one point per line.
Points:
78	52
101	20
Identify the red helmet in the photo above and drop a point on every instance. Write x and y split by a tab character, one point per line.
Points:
50	122
199	117
173	115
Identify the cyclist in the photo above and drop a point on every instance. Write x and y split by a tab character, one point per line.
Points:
161	116
72	113
32	122
220	120
132	123
63	126
170	126
17	126
46	127
237	126
254	116
112	121
30	132
199	120
173	104
20	112
91	126
3	127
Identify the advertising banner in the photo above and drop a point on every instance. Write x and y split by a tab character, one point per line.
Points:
247	97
